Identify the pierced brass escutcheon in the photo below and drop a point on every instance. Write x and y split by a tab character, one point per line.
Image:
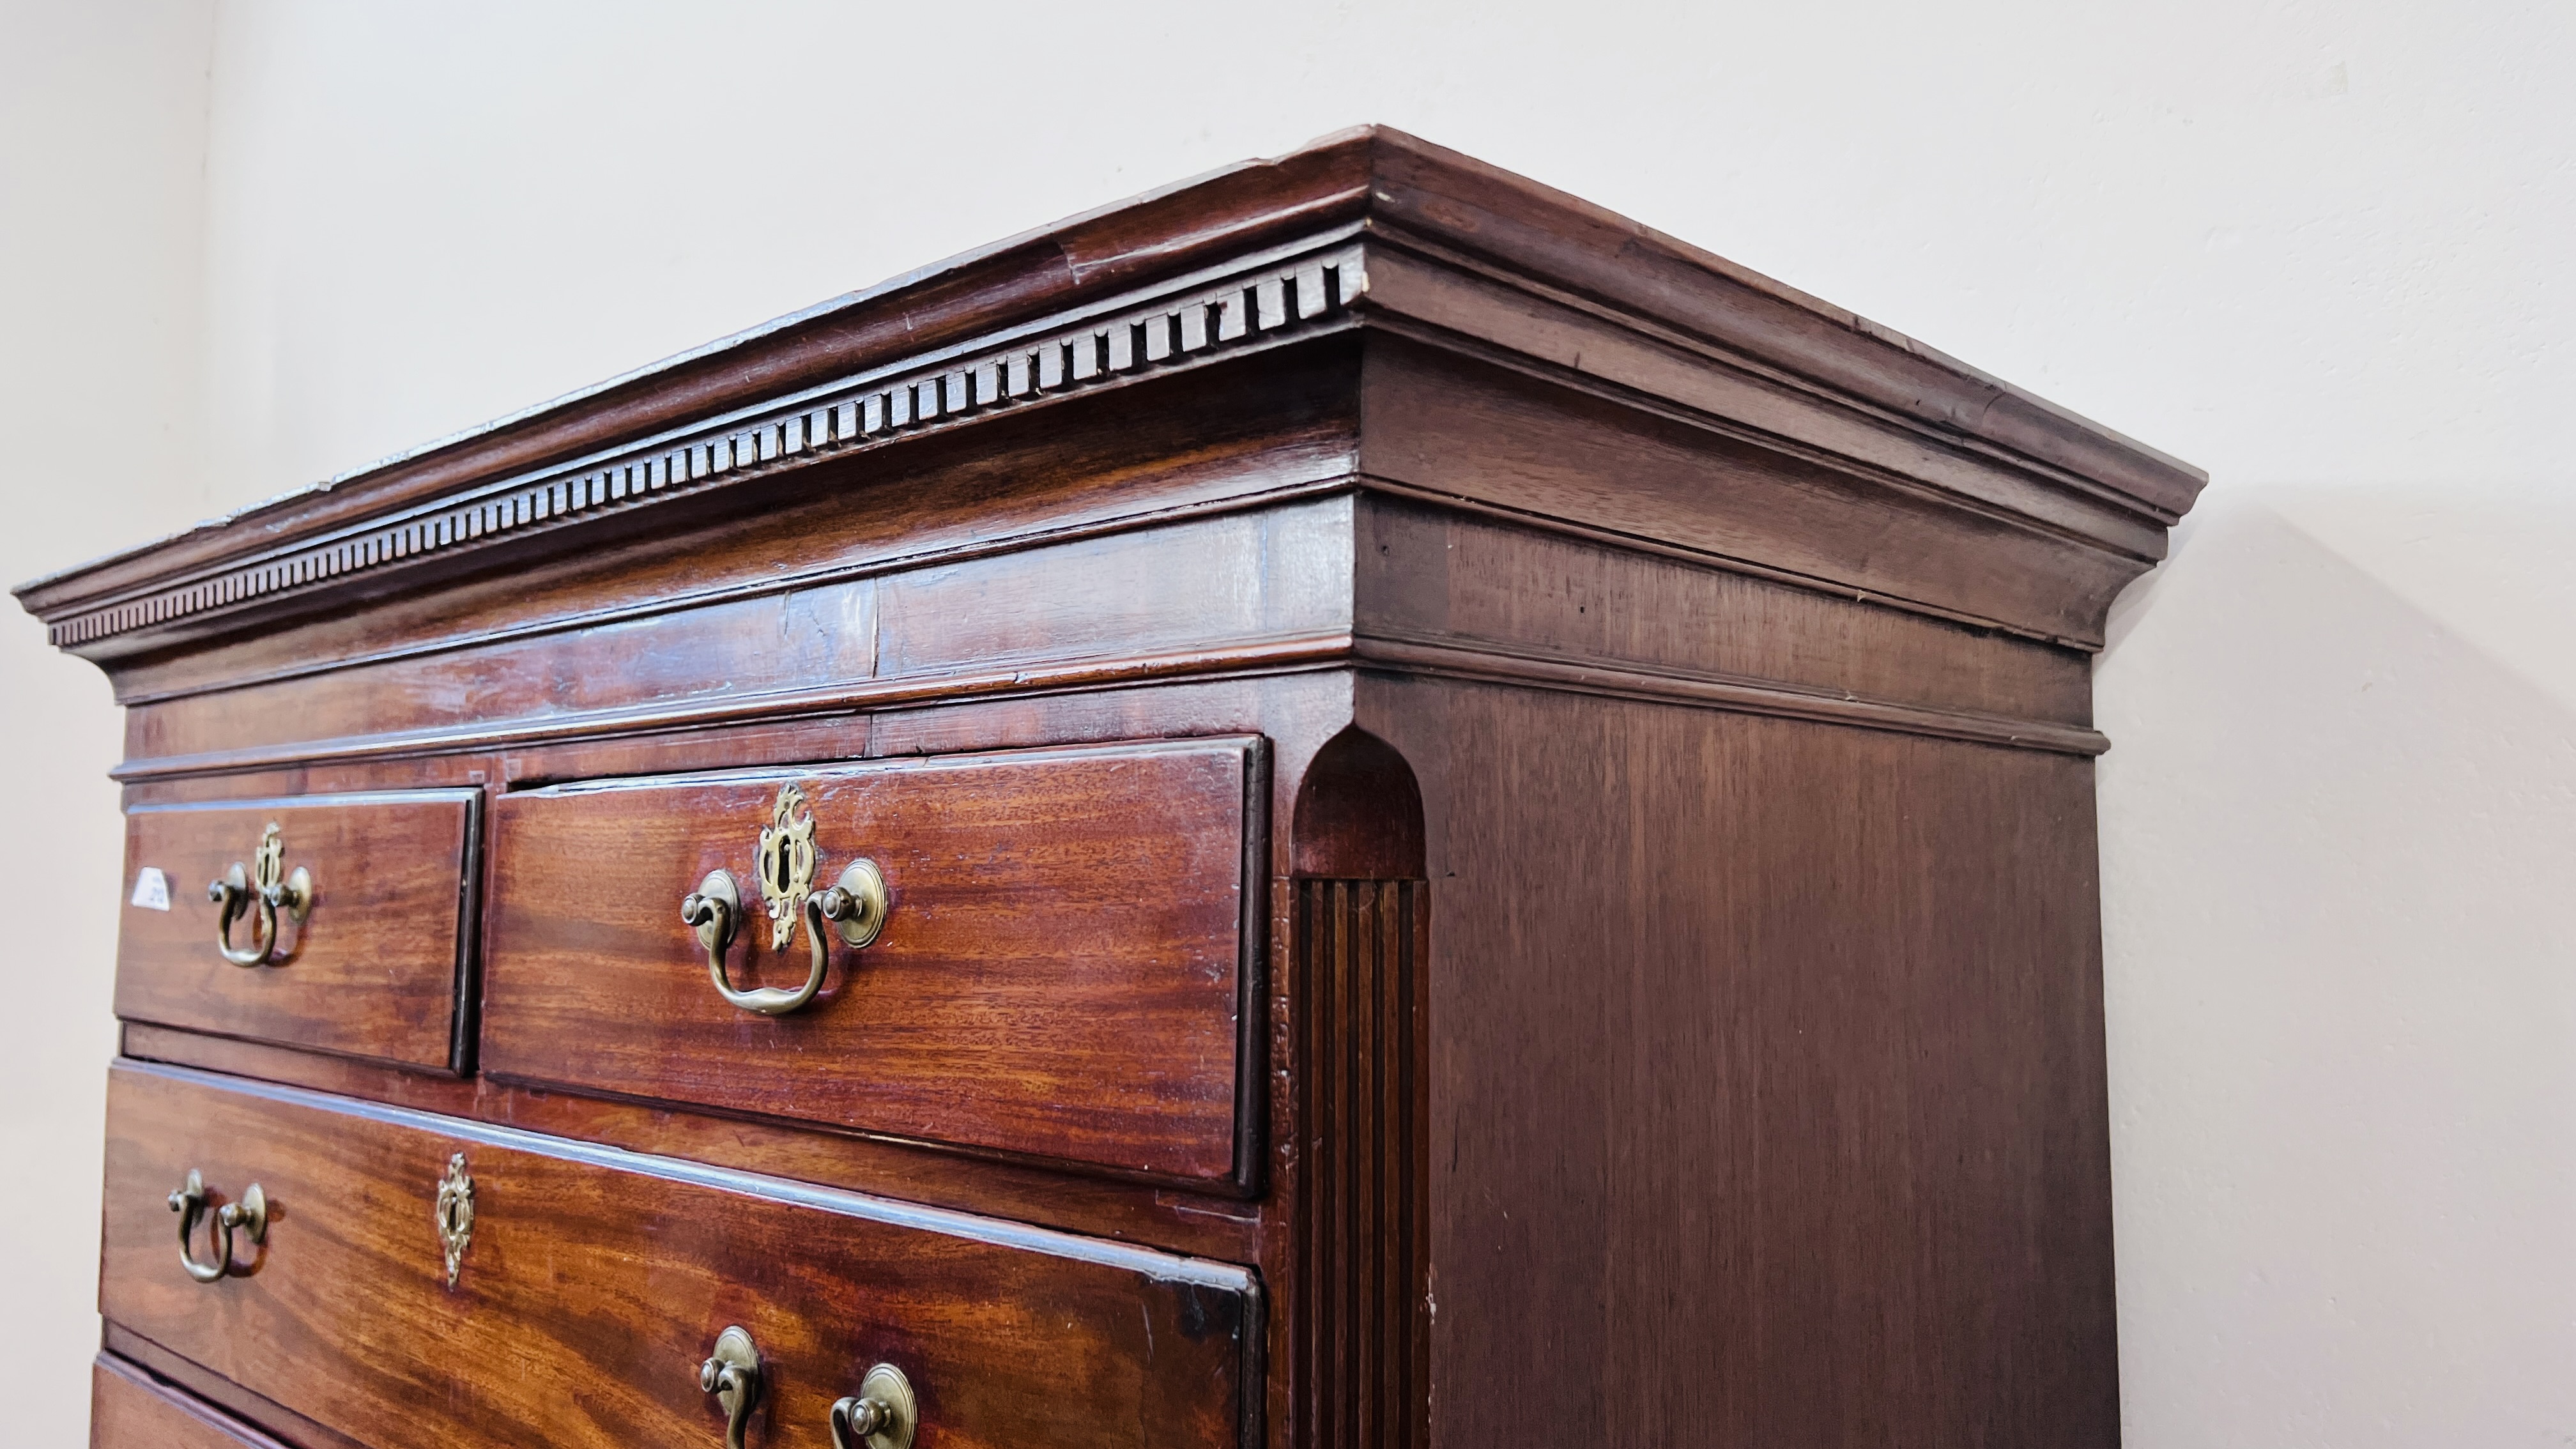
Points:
732	1374
786	864
189	1202
882	1415
854	908
455	1215
259	890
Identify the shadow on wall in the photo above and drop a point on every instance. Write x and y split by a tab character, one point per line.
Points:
2339	855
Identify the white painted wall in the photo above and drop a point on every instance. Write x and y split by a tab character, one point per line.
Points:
2320	250
102	132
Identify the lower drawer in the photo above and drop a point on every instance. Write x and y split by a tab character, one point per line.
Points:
591	1284
127	1410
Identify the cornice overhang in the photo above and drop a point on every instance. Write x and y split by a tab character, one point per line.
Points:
1365	229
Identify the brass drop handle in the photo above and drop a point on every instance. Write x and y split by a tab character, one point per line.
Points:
882	1415
261	890
854	908
715	910
732	1374
189	1202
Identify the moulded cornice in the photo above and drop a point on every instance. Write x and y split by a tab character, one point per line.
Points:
1368	228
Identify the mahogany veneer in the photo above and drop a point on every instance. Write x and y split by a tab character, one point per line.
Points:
1061	975
590	1273
1487	832
378	967
129	1410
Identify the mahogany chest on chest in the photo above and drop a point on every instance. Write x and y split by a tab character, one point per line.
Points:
1352	804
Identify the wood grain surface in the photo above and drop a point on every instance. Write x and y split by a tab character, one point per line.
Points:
1360	1355
377	967
1061	975
1767	1097
129	1409
596	1281
885	583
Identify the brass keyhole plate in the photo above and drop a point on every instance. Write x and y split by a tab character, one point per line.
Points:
455	1215
786	863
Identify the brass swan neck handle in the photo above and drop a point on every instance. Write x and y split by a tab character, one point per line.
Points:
732	1374
189	1202
883	1414
260	890
854	908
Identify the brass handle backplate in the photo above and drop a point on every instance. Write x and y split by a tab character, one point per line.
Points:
259	890
732	1374
882	1415
854	909
189	1202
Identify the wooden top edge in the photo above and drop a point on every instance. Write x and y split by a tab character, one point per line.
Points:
1128	242
1395	182
1570	242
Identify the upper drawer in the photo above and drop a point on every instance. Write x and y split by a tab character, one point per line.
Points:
590	1283
1060	974
373	967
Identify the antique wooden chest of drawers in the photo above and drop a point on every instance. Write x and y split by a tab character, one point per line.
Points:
1352	804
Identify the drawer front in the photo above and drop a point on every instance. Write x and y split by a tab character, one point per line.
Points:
594	1283
373	969
128	1410
1061	972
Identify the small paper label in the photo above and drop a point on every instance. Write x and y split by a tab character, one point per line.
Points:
152	889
